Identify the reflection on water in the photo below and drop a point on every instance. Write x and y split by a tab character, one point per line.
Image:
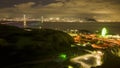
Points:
113	27
89	60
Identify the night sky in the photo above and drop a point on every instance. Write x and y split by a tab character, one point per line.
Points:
98	9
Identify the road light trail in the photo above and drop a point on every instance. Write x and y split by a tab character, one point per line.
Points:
89	60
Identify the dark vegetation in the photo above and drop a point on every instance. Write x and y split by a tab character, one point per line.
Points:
40	48
19	46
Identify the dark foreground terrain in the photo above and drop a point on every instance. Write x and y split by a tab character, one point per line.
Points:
42	48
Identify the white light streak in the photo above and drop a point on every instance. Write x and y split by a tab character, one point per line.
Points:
89	60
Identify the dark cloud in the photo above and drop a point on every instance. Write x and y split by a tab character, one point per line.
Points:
10	3
100	9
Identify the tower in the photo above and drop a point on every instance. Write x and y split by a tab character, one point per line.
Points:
24	21
42	19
